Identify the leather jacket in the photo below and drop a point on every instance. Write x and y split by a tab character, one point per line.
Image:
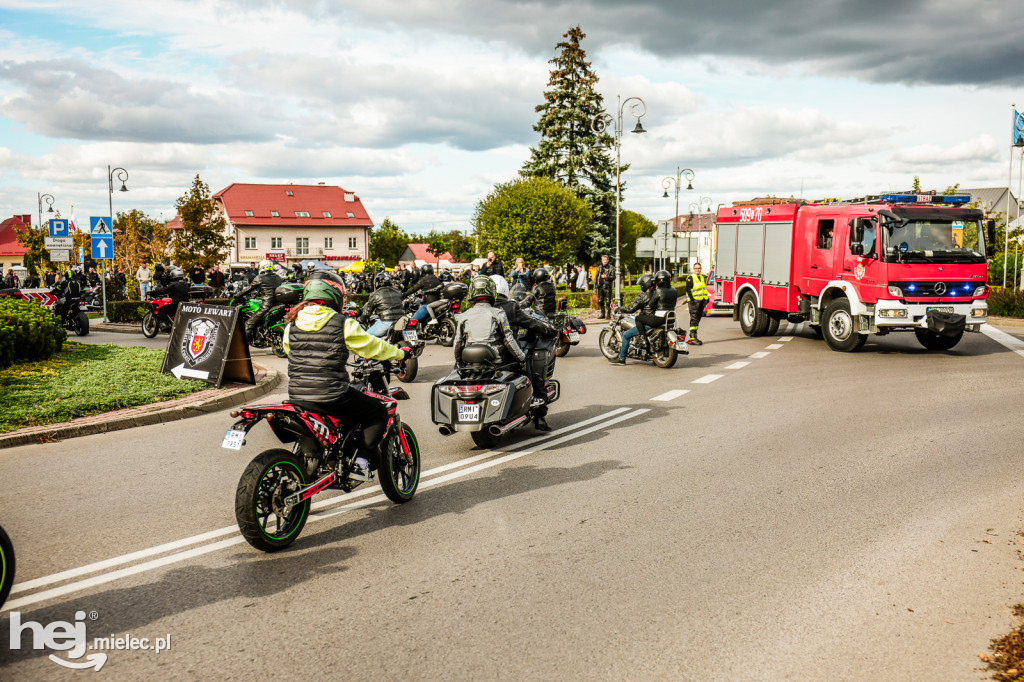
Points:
267	283
642	304
430	285
486	325
177	291
385	303
664	298
520	319
545	298
609	281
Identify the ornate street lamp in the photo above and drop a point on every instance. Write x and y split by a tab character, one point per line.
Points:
702	205
49	208
676	184
122	176
599	124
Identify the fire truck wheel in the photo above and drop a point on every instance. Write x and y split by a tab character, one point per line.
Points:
838	327
753	320
773	326
933	341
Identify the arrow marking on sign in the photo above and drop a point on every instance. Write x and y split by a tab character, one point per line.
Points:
91	661
180	372
101	246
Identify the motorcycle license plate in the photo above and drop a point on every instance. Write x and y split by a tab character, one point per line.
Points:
941	308
680	345
469	413
574	337
233	439
411	335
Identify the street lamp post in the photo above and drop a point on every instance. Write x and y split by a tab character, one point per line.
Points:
702	205
49	206
599	124
122	176
677	183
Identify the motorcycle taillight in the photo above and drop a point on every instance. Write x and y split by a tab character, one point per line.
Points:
411	323
455	306
248	414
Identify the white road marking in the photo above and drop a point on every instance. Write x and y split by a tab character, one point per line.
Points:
738	365
1004	339
671	395
707	379
785	338
774	346
573	432
790	328
760	354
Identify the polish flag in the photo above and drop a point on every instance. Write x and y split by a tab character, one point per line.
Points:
72	227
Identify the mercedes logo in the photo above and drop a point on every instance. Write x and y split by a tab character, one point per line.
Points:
940	288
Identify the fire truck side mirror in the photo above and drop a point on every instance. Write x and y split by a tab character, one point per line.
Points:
856	230
990	242
857	249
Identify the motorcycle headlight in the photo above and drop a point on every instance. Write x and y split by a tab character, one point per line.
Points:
895	291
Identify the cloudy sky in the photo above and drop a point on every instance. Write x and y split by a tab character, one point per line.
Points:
421	106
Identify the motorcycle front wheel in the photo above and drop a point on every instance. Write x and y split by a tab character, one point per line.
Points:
609	343
82	324
6	566
150	325
407	370
263	518
399	473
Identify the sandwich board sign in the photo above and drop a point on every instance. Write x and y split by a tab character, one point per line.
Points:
207	344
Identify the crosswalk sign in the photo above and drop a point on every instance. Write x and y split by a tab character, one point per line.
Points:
100	225
58	227
102	237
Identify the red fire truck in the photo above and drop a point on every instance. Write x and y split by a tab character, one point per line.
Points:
906	262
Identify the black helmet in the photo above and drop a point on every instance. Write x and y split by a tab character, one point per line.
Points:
446	276
646	283
427	269
662	278
382	279
540	275
483	287
416	273
330	290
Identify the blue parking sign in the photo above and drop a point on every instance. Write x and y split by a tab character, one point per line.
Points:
58	227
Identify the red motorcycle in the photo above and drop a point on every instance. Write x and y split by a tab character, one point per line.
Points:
272	500
160	317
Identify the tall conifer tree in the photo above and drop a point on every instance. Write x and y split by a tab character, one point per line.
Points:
570	152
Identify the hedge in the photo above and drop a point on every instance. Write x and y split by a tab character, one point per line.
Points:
1006	303
28	331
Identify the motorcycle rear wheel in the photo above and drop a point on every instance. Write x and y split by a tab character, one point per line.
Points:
6	566
150	325
561	347
609	343
485	440
259	500
665	358
446	332
407	370
82	324
277	342
399	477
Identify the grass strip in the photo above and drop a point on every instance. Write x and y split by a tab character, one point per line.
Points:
83	380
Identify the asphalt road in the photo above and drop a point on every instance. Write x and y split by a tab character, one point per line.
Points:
783	512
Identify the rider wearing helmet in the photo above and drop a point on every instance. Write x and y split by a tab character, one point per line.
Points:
176	287
68	292
267	281
385	302
522	319
543	292
485	324
318	340
646	304
430	287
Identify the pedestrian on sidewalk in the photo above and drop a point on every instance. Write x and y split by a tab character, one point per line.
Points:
604	282
145	279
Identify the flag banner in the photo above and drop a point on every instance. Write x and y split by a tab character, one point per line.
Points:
72	224
1018	129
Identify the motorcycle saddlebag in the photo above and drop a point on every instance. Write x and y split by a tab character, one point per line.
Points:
454	291
288	294
946	324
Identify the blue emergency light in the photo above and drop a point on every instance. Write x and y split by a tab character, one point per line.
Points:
912	198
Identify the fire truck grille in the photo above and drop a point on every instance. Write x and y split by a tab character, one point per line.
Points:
945	289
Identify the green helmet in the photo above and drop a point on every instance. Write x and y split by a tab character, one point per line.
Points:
329	290
268	265
483	286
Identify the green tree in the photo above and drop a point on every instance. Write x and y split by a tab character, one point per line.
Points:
201	239
917	184
437	244
633	226
569	151
535	218
142	239
460	245
37	258
388	242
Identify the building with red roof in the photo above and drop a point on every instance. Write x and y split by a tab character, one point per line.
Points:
11	252
417	253
291	223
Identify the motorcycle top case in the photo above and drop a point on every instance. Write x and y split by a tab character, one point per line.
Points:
454	291
288	294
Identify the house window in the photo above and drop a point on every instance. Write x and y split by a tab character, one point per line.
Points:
275	242
327	214
289	193
302	246
353	242
250	242
350	196
351	214
302	214
248	214
275	214
328	242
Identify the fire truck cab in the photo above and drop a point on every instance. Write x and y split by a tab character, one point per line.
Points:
910	262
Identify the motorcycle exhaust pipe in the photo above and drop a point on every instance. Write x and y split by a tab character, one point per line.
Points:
496	430
445	430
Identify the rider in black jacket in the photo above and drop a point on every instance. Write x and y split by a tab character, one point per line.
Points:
430	286
176	288
267	282
68	292
652	304
543	292
385	302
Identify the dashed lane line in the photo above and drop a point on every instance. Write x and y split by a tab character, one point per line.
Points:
759	354
774	346
785	338
707	379
671	395
738	365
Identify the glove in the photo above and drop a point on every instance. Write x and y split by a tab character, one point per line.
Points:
406	353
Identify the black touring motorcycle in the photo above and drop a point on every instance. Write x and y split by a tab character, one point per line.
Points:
272	501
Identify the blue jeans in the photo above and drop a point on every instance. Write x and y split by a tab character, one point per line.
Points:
421	314
626	338
380	328
144	288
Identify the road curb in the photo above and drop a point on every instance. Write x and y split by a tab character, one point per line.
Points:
117	328
190	406
1005	321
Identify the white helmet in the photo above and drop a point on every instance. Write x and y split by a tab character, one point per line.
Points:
502	284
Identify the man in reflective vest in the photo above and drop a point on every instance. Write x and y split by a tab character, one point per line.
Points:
697	292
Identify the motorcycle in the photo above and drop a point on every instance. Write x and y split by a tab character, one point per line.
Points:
75	318
663	344
489	399
6	566
159	318
444	328
272	500
571	329
269	334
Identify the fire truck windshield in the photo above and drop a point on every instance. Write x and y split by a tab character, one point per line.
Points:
934	241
